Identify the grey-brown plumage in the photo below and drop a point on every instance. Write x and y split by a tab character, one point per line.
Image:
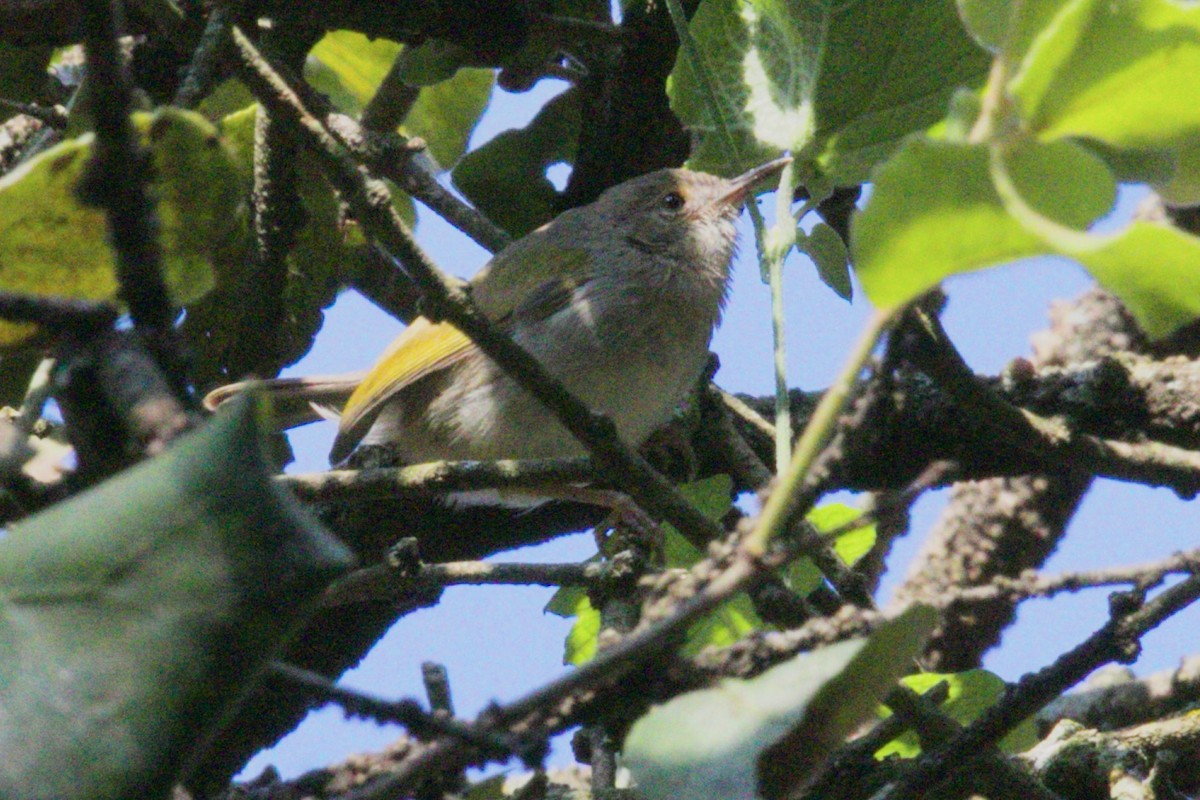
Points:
618	299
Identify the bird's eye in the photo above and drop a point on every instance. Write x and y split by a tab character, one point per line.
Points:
672	201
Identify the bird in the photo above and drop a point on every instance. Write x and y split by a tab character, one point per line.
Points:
617	299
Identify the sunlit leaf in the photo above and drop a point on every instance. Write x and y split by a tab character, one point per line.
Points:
914	231
572	601
349	68
969	694
744	739
1028	200
802	575
1126	74
50	243
838	82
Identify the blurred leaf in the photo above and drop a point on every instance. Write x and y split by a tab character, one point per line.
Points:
828	252
53	244
746	739
432	62
1008	26
349	68
572	601
134	615
506	178
914	232
1126	74
839	82
227	98
970	694
730	623
1032	200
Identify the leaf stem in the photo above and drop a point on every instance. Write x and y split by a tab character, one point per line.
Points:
780	504
779	242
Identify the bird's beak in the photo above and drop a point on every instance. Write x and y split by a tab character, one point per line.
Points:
739	188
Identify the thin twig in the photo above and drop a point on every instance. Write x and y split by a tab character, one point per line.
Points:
1152	463
404	162
439	476
1031	585
204	68
406	712
386	581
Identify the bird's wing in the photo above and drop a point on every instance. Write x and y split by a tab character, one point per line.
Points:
420	350
545	258
531	279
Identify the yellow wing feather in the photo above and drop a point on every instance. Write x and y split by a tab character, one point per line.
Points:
421	349
549	253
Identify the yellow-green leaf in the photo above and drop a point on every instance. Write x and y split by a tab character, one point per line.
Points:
50	243
1123	73
969	694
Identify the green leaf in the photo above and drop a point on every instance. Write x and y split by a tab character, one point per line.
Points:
324	252
850	545
572	601
1031	200
432	62
349	67
914	232
839	83
1153	268
802	575
712	497
506	178
828	252
734	619
1002	25
51	243
761	737
1126	74
446	113
134	616
970	694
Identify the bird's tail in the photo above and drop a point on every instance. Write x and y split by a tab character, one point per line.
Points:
295	401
